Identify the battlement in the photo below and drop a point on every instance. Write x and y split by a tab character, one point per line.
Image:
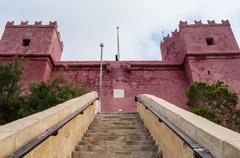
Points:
52	24
198	37
169	37
171	46
37	24
200	24
36	38
196	24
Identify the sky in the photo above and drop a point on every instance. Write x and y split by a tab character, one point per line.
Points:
84	24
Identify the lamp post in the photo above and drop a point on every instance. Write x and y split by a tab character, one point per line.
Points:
100	80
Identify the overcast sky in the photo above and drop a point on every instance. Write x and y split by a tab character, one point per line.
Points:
84	24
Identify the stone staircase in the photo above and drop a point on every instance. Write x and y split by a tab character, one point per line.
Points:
117	135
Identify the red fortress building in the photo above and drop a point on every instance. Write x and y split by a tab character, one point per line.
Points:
195	52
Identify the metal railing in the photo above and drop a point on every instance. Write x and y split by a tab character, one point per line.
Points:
198	150
53	131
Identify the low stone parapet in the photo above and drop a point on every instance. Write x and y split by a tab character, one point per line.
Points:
19	133
202	134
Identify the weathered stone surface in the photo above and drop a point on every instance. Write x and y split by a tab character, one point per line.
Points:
116	135
220	141
20	132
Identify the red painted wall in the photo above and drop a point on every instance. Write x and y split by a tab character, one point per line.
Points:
213	68
135	77
44	39
187	58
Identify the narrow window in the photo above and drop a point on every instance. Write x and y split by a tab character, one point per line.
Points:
210	41
26	42
208	72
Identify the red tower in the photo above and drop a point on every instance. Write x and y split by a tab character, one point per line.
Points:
40	45
198	38
32	39
209	52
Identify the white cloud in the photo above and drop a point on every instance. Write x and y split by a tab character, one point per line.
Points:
84	24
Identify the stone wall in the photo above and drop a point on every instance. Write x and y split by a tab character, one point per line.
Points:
215	68
187	57
134	78
221	142
16	134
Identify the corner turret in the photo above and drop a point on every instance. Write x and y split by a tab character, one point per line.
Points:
211	37
32	39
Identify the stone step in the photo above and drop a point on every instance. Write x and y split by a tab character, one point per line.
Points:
117	129
116	124
109	148
127	133
117	133
116	120
120	135
88	134
109	142
116	138
117	115
136	154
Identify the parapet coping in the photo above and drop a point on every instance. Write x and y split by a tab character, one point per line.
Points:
22	131
220	141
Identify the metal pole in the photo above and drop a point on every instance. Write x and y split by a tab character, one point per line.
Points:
100	80
118	47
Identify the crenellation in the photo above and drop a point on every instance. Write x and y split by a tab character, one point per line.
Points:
24	23
166	37
211	22
53	24
10	23
174	34
38	23
183	23
225	22
198	22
